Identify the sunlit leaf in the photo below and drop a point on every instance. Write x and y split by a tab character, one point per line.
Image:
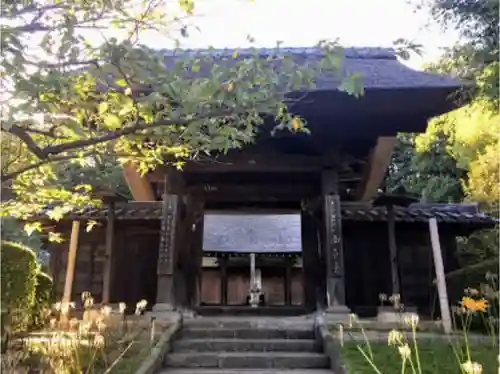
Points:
90	225
55	237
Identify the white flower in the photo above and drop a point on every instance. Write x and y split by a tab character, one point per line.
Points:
122	307
106	311
353	318
411	320
99	340
472	367
404	351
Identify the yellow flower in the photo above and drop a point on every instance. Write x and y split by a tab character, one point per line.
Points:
395	337
472	305
296	123
73	322
472	367
100	325
404	351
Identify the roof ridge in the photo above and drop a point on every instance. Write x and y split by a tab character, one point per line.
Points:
385	53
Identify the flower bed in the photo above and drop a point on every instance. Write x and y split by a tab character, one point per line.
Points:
102	341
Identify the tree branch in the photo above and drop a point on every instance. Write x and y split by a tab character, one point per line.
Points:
9	176
22	134
59	148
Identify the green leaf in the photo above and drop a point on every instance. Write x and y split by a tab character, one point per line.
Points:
56	214
103	107
55	237
112	121
353	85
31	227
90	225
121	83
195	68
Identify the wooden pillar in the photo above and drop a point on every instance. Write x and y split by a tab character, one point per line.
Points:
311	273
333	246
70	266
223	280
391	231
440	276
197	253
165	269
108	265
288	282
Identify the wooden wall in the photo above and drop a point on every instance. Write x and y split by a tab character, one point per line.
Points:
135	253
367	265
89	269
238	283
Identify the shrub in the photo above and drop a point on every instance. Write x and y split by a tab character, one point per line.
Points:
18	280
471	276
43	299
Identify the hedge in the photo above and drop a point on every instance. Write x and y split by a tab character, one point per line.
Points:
43	300
18	281
471	276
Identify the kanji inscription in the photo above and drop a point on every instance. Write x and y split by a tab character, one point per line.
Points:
334	235
167	234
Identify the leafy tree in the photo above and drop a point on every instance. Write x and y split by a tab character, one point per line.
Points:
69	101
429	171
458	156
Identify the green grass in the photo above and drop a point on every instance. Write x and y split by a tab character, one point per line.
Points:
435	357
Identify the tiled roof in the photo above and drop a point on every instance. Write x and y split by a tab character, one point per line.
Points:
417	214
379	67
444	213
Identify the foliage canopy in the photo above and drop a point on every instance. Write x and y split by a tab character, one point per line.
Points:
71	101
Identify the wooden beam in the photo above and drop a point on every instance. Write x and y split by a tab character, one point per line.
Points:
243	191
440	277
223	280
108	265
379	160
139	186
288	282
391	232
245	162
71	264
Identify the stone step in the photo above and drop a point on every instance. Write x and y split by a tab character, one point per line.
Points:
250	322
248	333
254	360
246	371
245	345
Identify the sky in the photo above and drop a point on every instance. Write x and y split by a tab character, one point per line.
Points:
227	23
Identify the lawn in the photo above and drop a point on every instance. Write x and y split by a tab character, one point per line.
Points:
436	357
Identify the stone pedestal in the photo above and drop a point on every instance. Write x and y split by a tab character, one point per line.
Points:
337	314
387	314
165	313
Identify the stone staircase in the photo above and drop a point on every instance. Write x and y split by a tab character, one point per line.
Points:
244	345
